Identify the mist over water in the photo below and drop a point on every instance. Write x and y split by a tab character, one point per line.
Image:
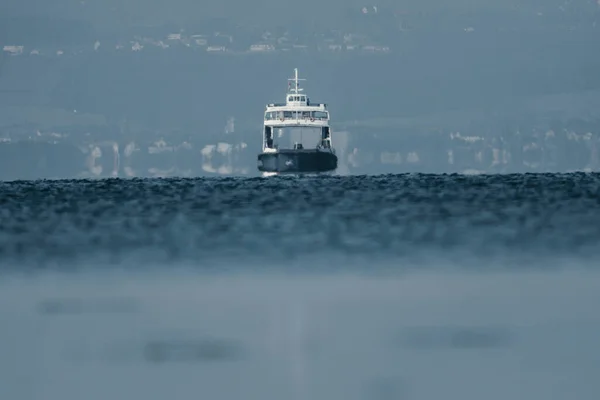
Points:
422	336
365	287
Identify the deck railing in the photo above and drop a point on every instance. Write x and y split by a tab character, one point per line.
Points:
296	115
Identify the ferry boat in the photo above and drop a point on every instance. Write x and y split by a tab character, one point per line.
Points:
288	127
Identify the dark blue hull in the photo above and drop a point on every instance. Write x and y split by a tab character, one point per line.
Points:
297	161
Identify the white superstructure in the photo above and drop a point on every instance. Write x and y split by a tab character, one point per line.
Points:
297	112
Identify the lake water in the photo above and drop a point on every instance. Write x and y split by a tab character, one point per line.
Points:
359	287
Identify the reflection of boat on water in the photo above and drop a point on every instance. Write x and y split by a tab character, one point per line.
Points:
287	126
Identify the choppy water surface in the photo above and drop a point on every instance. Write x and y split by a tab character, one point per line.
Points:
272	221
388	287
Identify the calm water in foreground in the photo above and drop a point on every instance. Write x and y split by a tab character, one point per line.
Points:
379	287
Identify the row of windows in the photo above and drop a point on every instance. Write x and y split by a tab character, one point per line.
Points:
297	98
295	115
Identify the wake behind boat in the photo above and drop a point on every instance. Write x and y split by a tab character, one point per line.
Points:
287	126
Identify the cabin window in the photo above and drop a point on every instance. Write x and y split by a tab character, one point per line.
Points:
288	114
297	98
321	114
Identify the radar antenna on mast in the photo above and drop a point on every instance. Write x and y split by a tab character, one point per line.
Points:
296	86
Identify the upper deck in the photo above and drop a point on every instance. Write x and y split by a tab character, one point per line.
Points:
297	110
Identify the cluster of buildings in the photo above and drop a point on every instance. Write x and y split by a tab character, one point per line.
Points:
371	27
218	42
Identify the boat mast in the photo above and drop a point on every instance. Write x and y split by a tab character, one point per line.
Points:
296	89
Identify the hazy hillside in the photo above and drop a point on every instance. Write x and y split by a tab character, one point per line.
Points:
118	15
107	70
182	88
